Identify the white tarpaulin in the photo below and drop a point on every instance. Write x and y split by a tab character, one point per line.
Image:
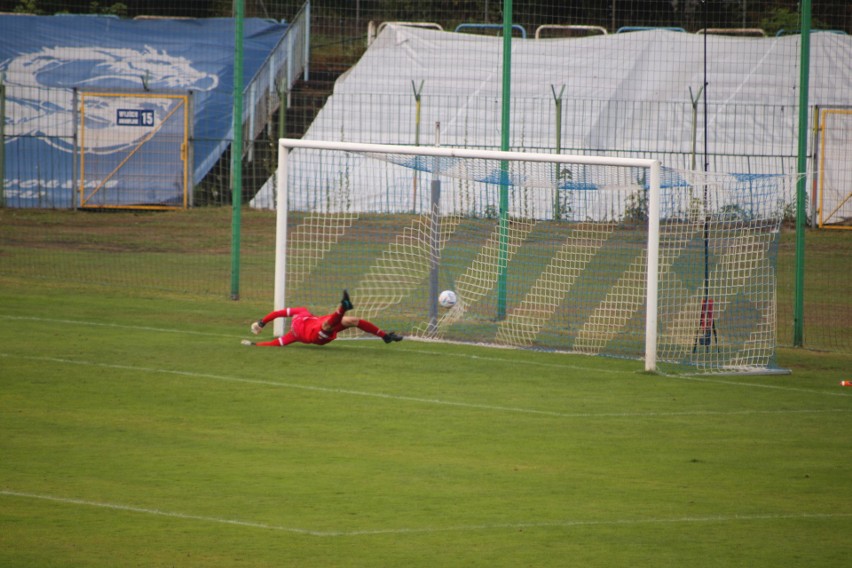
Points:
633	94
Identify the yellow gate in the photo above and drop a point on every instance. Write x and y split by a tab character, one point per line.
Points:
834	180
134	150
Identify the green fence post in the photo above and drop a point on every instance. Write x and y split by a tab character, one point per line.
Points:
801	220
237	151
503	251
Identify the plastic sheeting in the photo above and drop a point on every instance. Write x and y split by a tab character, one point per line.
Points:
635	94
637	90
46	59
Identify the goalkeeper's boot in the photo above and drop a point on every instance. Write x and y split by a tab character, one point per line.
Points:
391	336
346	303
257	327
247	343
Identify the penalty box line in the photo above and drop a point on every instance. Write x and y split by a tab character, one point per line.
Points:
112	325
350	343
342	340
311	388
568	367
386	396
429	530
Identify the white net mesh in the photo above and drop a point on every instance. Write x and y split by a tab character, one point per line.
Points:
560	263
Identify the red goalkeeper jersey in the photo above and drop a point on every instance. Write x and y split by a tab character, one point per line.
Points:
307	327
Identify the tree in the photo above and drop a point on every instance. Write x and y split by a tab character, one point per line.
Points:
785	19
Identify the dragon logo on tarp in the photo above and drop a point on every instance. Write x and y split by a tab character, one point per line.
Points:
40	91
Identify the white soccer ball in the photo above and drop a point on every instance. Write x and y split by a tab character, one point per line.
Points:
447	299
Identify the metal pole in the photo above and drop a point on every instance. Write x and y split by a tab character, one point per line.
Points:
557	212
694	100
416	141
706	169
279	287
801	221
283	106
2	140
652	278
612	26
503	251
435	236
76	154
703	336
237	151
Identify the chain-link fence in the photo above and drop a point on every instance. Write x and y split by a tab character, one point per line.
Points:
712	84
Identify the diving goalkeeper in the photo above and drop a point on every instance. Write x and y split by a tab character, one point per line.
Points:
317	330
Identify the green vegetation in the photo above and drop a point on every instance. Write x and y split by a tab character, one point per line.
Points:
138	432
35	7
187	253
781	18
342	20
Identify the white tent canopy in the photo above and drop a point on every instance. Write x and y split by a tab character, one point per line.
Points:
634	94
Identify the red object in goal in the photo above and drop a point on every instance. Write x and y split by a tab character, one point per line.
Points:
706	314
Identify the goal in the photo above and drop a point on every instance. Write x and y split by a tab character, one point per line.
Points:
586	254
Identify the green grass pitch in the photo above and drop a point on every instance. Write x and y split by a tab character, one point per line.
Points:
137	431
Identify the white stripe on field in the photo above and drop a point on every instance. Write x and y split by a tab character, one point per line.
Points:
515	361
429	530
115	325
290	385
348	341
386	396
500	360
838	392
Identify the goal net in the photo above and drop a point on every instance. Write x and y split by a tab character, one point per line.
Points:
543	251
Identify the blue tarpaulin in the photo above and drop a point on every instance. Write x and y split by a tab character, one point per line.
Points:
47	62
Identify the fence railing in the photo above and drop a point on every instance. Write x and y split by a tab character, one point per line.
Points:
269	86
463	120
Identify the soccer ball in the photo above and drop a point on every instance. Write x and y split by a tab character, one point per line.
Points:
448	299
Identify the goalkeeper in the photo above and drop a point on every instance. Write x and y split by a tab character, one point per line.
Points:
317	330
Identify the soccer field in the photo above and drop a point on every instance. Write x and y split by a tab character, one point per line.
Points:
137	431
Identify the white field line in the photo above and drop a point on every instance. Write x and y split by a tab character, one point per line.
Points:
633	373
350	342
502	361
263	382
386	396
839	392
429	530
113	325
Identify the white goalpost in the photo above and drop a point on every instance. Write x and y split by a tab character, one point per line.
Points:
588	254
